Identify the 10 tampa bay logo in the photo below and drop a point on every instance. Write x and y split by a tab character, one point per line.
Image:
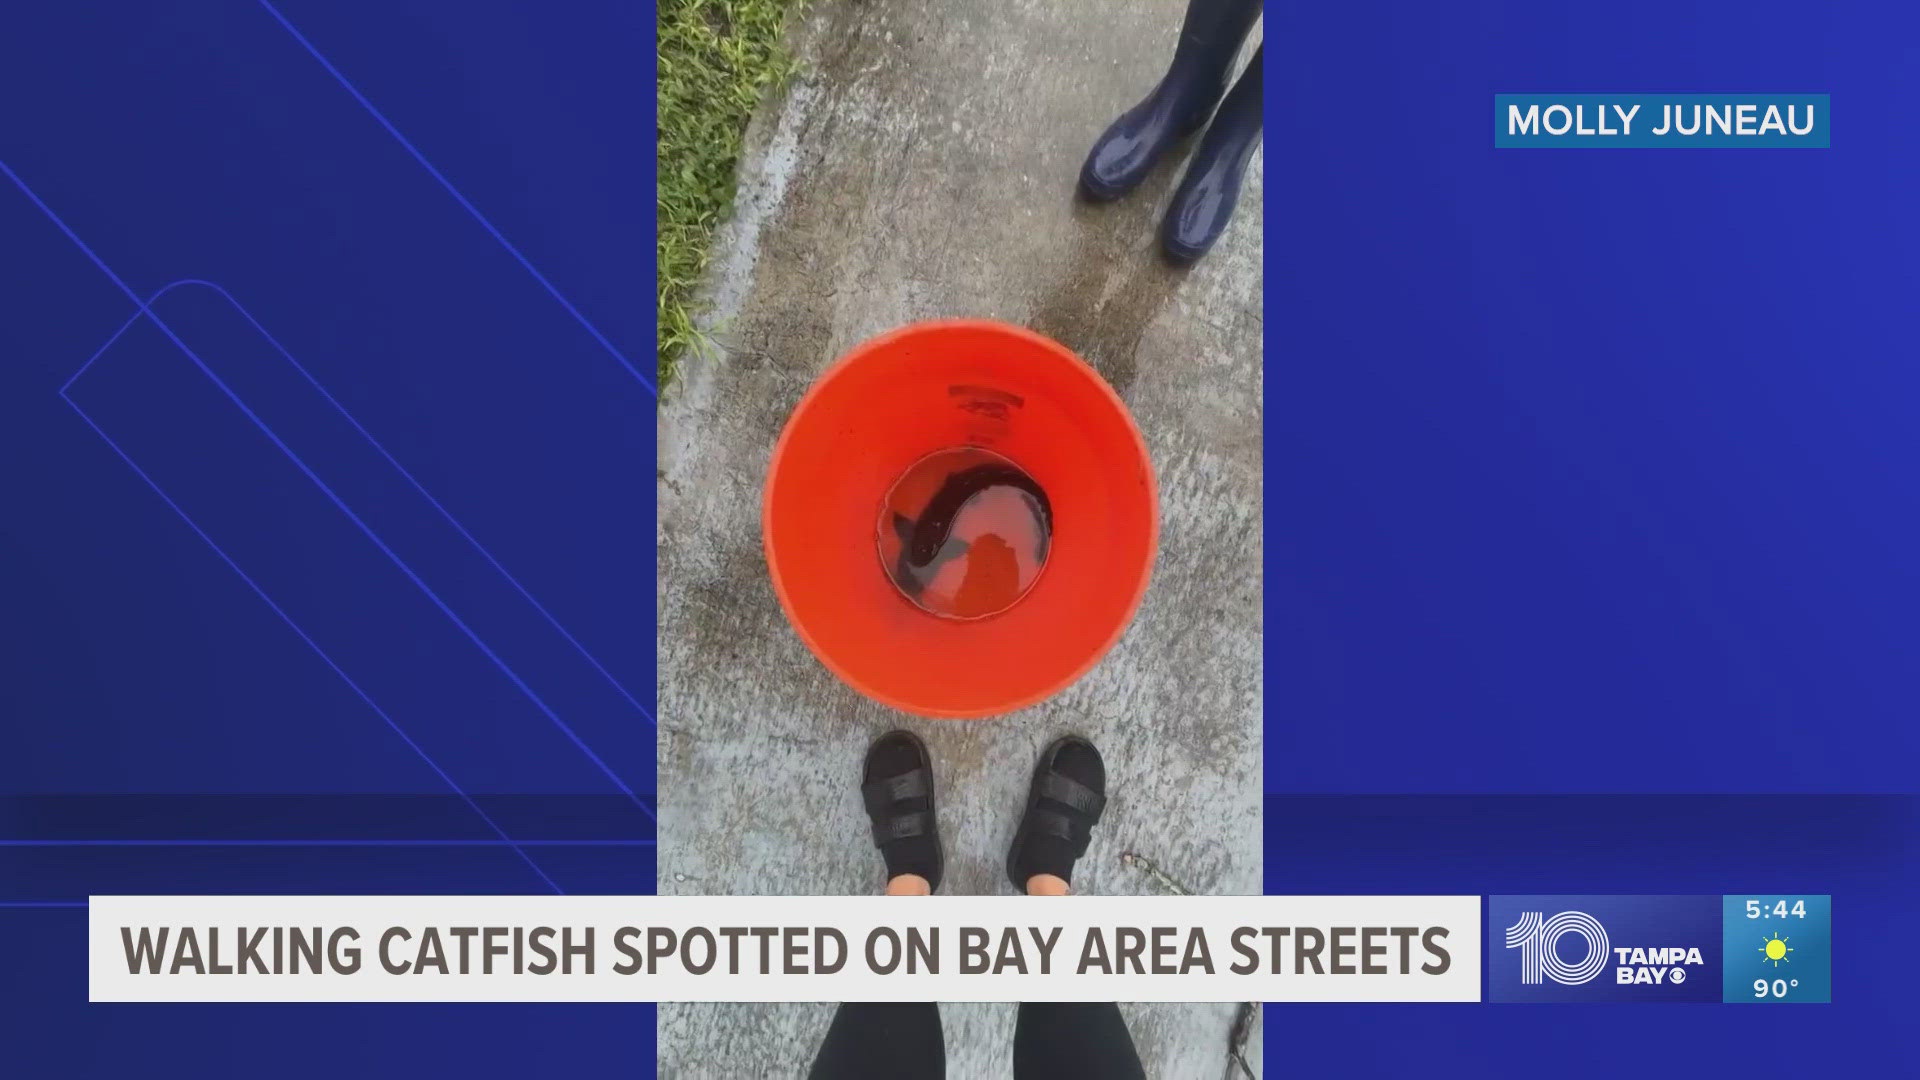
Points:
1605	948
1538	938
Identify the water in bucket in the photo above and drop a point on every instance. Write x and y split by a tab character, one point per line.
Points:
964	533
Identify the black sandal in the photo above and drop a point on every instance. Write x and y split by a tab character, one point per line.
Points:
897	787
1061	813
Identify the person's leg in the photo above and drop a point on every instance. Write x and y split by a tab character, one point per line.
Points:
888	1040
1065	1038
1074	1038
893	1040
1209	192
1210	37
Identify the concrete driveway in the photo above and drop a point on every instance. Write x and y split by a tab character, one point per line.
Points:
923	166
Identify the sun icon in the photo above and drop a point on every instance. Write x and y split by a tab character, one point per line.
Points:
1776	950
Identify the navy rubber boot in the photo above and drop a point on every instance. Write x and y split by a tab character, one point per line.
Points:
1208	193
1209	39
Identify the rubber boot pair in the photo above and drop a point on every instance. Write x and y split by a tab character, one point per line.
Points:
1180	105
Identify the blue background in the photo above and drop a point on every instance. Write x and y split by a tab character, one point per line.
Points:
1589	471
449	329
1861	849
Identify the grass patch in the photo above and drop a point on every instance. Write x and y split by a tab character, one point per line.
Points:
717	59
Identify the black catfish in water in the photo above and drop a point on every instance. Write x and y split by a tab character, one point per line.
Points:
927	543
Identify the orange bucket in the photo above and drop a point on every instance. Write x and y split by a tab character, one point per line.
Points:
936	386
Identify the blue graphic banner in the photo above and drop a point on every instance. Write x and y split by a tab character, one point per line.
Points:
1570	948
1603	948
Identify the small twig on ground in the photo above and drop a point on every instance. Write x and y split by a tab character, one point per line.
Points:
1243	1018
1159	877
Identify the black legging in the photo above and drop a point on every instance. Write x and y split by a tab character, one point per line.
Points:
902	1041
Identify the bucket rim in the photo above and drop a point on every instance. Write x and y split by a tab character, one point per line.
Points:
810	398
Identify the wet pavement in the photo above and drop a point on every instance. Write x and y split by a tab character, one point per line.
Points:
922	166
